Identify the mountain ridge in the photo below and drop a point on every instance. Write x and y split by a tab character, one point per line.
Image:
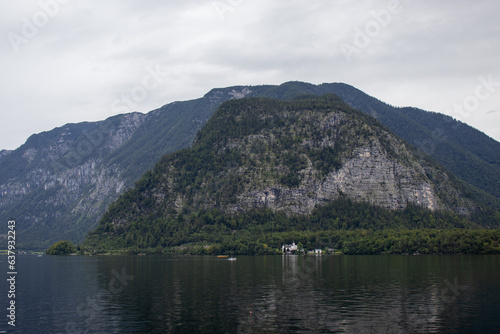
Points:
61	188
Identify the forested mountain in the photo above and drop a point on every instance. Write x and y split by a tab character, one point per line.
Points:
258	156
60	182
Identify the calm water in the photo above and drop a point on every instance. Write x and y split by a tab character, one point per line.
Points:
272	294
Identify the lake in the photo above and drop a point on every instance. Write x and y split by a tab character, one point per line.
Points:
262	294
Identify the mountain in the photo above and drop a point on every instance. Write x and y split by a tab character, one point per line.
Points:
57	179
4	153
60	182
295	157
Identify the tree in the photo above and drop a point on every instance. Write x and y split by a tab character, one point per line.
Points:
61	248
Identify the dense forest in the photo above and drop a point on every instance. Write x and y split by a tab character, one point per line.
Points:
346	226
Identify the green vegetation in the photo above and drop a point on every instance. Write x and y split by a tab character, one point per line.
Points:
463	150
353	228
62	248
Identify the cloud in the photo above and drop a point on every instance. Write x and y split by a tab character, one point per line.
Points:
89	54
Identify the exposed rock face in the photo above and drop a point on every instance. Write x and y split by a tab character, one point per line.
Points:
68	178
373	177
369	173
290	157
370	176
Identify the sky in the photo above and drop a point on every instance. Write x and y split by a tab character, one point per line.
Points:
68	61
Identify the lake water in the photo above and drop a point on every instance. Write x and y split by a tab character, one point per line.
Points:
266	294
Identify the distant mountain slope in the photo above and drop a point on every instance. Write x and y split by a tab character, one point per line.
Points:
60	182
4	153
468	153
56	181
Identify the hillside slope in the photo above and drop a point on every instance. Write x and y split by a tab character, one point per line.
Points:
290	157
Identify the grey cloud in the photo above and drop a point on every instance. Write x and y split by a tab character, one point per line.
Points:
429	56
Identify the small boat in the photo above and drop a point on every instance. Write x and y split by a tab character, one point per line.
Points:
232	259
222	256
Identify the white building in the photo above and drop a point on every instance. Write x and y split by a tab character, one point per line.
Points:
289	249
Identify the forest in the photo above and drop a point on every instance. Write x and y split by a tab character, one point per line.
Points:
346	226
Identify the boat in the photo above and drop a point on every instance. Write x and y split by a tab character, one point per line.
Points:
222	256
232	259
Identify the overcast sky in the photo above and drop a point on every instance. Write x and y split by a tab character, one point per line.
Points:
67	61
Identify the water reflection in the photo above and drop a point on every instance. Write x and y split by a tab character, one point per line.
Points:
282	294
321	295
